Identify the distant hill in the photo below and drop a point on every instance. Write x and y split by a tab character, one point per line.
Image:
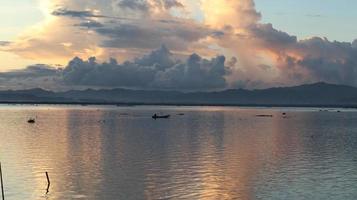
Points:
318	94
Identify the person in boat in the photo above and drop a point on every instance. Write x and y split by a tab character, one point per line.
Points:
155	116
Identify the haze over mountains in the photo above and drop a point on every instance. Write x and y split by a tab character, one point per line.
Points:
318	94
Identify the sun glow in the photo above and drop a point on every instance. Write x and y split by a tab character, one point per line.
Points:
45	7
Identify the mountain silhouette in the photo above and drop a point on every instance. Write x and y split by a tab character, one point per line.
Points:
317	94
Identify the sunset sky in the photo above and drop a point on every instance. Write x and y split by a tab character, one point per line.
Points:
177	44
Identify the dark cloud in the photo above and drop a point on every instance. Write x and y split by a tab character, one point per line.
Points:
82	14
145	5
75	13
157	70
33	76
131	33
217	33
161	58
196	74
149	36
172	4
33	71
334	62
90	24
314	59
134	4
5	43
270	37
90	73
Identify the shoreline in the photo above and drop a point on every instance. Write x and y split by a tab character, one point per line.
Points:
124	104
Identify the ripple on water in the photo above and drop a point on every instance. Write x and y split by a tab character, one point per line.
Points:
209	153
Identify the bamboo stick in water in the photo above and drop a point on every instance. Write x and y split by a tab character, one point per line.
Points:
48	183
2	184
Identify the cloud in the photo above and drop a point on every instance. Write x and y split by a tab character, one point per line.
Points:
82	14
177	36
270	57
33	76
149	5
310	60
75	13
262	56
195	74
32	71
5	43
134	4
172	4
90	24
333	62
104	29
157	70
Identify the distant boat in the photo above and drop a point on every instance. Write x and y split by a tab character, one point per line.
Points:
155	116
264	115
31	121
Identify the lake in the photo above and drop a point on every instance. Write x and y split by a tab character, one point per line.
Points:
109	153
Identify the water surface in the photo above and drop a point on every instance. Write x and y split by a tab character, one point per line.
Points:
109	153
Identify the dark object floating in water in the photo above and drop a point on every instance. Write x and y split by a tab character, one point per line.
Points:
31	121
284	113
181	114
155	116
264	115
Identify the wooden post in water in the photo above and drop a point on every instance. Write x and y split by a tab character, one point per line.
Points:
2	184
48	183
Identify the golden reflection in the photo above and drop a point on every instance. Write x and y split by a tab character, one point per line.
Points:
226	162
219	153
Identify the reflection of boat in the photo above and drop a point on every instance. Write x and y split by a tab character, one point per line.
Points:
155	116
31	121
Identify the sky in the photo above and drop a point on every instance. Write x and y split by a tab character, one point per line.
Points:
176	44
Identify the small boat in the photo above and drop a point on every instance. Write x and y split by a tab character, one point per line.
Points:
264	115
155	116
31	121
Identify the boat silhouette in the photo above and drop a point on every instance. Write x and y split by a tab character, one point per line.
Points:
155	116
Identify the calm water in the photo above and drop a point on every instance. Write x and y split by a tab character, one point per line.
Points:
110	153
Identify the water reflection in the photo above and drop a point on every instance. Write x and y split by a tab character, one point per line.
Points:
209	153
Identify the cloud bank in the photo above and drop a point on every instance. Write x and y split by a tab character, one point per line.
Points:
258	55
157	70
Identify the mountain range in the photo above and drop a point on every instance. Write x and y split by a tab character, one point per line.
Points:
317	94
